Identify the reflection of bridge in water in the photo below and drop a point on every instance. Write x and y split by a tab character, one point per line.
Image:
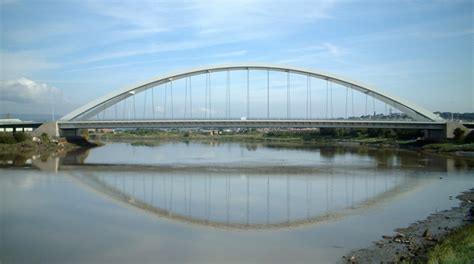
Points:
246	201
247	197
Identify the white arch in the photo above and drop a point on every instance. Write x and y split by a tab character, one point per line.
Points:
90	109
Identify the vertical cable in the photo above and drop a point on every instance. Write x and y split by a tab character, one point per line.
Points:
268	93
307	96
228	95
124	108
166	99
373	103
134	108
366	98
248	92
210	106
352	95
332	109
153	102
310	99
171	93
205	97
190	99
327	98
288	100
185	97
144	106
347	93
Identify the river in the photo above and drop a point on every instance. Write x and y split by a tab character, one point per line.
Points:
217	202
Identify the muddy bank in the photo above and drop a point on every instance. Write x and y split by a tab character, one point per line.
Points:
413	242
19	153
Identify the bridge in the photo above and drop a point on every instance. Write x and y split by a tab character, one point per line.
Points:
250	96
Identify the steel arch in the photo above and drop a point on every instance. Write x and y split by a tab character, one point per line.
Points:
90	109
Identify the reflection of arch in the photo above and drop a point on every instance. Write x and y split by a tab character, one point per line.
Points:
97	184
412	110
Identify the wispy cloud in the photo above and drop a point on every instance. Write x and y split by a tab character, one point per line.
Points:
208	23
235	53
7	2
21	63
327	48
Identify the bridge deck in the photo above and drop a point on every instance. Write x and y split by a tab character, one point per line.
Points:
300	123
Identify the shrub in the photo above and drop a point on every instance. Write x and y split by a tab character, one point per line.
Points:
458	133
469	138
7	138
44	138
20	136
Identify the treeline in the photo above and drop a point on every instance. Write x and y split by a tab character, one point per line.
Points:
456	116
12	138
341	133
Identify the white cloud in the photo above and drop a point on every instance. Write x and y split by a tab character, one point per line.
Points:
26	91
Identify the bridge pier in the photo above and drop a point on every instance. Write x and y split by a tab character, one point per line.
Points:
436	135
69	132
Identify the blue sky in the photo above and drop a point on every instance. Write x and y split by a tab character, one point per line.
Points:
79	50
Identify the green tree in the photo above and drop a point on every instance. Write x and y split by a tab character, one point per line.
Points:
7	138
458	133
469	138
20	136
44	138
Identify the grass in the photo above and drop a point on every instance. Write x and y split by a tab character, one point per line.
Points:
458	247
449	147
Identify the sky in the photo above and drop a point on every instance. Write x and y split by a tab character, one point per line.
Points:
71	52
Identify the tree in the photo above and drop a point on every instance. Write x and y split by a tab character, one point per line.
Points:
20	136
44	138
469	138
458	133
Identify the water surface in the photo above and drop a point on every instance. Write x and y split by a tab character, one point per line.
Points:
194	202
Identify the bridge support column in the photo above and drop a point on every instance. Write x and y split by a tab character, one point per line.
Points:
69	132
436	135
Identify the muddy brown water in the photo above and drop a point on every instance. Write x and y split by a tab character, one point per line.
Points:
205	202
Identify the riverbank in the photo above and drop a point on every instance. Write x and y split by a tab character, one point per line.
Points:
414	243
153	138
19	152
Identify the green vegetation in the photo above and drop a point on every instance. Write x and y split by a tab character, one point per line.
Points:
458	247
13	138
458	133
386	137
469	138
44	137
449	147
323	134
461	142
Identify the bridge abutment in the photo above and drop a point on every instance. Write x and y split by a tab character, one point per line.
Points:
49	128
451	126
